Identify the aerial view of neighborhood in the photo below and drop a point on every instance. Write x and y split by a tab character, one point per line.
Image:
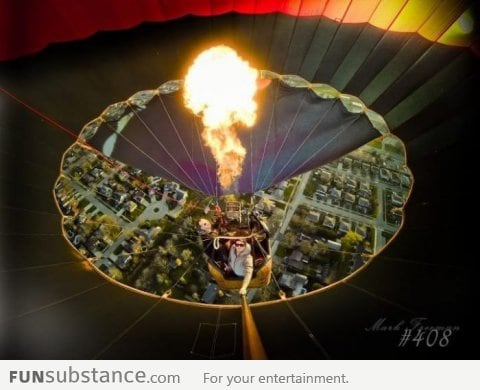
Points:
142	231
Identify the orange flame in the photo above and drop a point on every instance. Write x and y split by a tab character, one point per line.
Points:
220	87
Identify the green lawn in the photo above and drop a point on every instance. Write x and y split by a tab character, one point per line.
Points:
397	149
376	143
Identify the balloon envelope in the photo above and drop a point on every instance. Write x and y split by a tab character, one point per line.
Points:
297	129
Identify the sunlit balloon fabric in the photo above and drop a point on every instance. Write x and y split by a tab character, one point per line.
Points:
48	21
300	126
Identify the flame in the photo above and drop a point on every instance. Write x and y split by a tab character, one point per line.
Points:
220	87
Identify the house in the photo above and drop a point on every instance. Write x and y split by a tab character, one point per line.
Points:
364	204
296	261
325	176
286	280
334	245
356	165
104	191
303	236
181	197
397	200
365	190
123	176
131	206
87	179
138	195
329	221
118	198
395	178
142	233
294	282
66	208
396	215
361	230
313	216
172	186
350	184
278	193
96	173
344	226
335	194
299	282
137	172
154	180
152	191
338	181
347	163
385	174
405	181
321	191
127	245
123	261
266	206
365	167
95	246
349	198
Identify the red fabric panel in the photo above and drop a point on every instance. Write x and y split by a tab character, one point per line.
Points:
27	26
221	6
256	6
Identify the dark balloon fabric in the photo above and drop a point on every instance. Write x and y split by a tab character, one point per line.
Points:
295	131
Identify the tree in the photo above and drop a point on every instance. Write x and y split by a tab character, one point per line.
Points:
116	274
187	222
274	220
299	222
350	240
306	247
161	263
318	248
170	247
186	255
109	225
267	205
289	239
137	247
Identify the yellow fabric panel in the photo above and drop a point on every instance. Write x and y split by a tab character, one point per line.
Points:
414	15
442	18
386	12
461	32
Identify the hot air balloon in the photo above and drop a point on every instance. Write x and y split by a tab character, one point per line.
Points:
414	63
301	126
